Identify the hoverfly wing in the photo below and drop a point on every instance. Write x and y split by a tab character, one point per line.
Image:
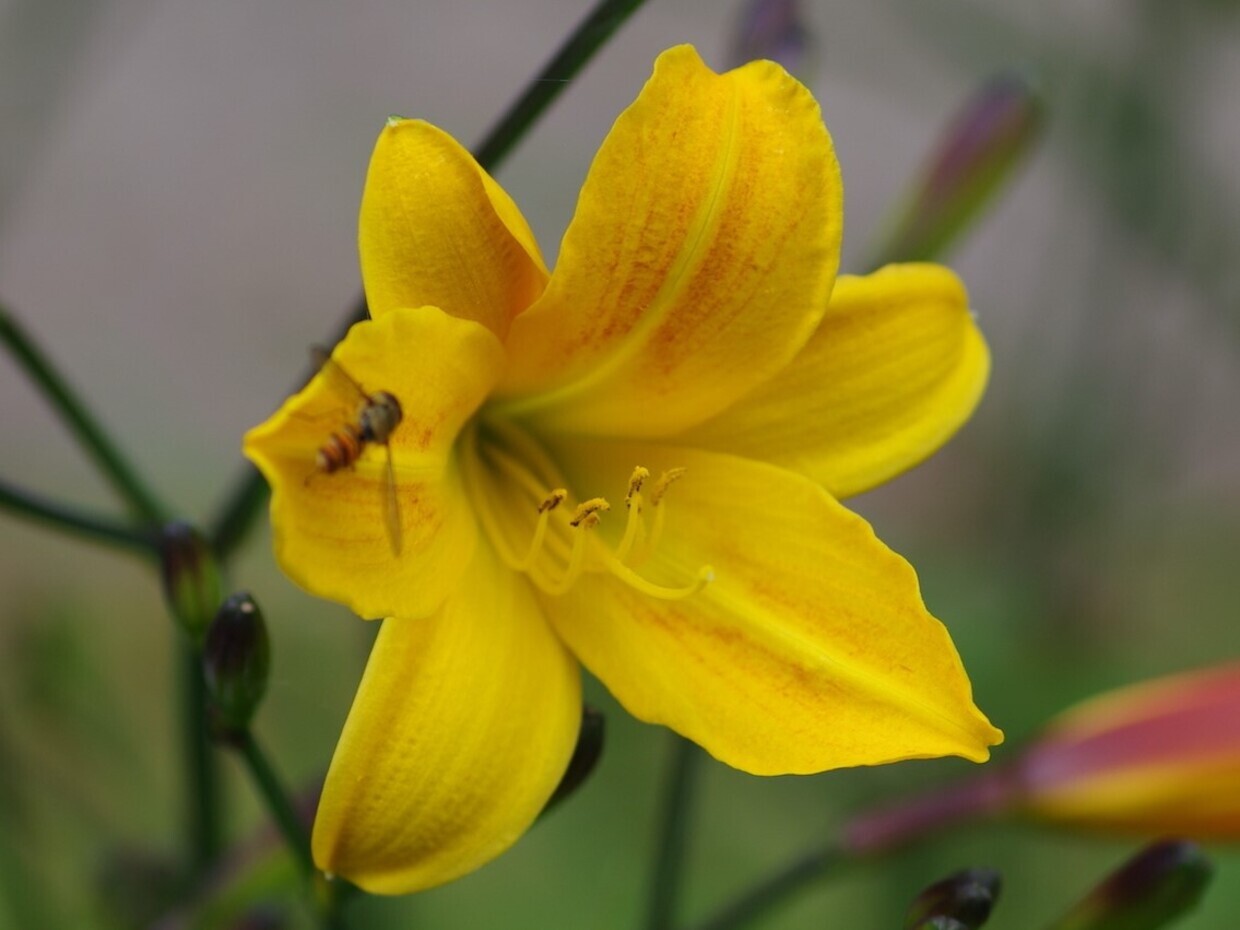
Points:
340	381
391	505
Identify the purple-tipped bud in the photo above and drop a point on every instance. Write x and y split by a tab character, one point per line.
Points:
236	658
1153	888
585	756
191	577
961	900
772	29
983	144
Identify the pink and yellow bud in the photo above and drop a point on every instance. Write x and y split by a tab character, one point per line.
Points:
1158	757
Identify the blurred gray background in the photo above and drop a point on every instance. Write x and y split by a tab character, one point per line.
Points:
179	185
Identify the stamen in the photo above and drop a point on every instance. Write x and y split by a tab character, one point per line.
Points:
635	525
640	474
553	500
550	547
705	576
664	482
586	519
587	513
656	500
550	502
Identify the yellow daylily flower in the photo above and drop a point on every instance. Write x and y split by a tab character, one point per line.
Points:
632	463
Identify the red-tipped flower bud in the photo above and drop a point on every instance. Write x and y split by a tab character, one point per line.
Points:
235	660
1160	757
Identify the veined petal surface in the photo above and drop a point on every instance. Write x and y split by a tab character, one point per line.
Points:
330	529
811	648
460	731
436	229
700	258
895	368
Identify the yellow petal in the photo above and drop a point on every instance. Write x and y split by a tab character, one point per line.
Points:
461	729
811	648
699	261
436	229
331	530
895	368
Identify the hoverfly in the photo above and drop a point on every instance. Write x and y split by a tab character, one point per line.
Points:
377	417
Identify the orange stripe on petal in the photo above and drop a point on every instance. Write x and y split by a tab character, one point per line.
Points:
700	259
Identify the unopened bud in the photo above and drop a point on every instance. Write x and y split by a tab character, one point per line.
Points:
984	143
235	660
1152	889
961	900
772	29
1159	757
585	756
191	577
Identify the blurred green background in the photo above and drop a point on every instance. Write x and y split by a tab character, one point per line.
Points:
178	194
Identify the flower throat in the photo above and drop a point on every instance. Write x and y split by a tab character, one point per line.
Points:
538	532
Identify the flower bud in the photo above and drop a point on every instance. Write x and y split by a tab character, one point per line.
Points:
772	29
585	756
962	900
191	577
1152	889
235	660
977	153
1159	757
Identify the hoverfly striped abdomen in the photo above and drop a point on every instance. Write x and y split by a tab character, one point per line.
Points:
378	416
342	448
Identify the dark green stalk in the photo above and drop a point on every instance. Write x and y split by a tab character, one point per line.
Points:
277	800
573	55
102	529
242	504
201	771
665	881
773	890
81	422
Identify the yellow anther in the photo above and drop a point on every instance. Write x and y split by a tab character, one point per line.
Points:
591	508
664	482
553	500
640	474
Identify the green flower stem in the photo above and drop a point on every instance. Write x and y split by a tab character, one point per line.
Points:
84	524
774	889
573	55
869	834
236	517
277	800
81	422
665	882
201	771
242	504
